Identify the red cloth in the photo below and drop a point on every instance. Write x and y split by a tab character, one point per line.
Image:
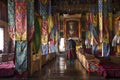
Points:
7	69
71	54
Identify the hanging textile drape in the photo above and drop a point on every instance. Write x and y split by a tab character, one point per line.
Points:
106	45
11	19
30	19
21	36
100	6
37	35
44	37
21	20
21	56
43	10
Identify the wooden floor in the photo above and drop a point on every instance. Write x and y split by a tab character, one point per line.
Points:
60	69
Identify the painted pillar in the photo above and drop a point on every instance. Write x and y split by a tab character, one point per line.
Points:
100	10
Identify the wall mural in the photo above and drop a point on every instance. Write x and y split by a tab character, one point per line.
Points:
72	28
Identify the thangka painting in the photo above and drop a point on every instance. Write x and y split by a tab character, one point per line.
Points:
72	28
11	20
21	20
21	56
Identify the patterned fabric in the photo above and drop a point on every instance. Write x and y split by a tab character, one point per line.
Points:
100	5
51	48
21	56
21	20
106	46
44	49
44	27
50	23
30	19
106	49
43	9
11	19
94	34
50	8
7	69
37	35
44	39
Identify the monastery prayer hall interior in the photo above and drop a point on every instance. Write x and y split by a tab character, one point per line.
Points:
59	39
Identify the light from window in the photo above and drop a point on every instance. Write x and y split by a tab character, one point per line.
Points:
1	39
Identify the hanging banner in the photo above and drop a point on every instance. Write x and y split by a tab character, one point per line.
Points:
44	49
11	19
30	19
37	35
44	27
43	10
21	20
100	19
21	56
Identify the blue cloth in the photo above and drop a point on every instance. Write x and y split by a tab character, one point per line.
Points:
106	49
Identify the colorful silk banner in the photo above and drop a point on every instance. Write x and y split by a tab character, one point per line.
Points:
45	49
50	23
37	35
30	19
44	27
11	19
100	6
106	45
43	9
21	20
21	56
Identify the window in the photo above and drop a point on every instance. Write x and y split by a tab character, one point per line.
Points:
1	38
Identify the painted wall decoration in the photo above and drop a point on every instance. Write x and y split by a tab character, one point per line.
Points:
37	35
21	20
30	19
21	56
11	19
72	28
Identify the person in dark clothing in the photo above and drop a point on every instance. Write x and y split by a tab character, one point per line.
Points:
71	50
